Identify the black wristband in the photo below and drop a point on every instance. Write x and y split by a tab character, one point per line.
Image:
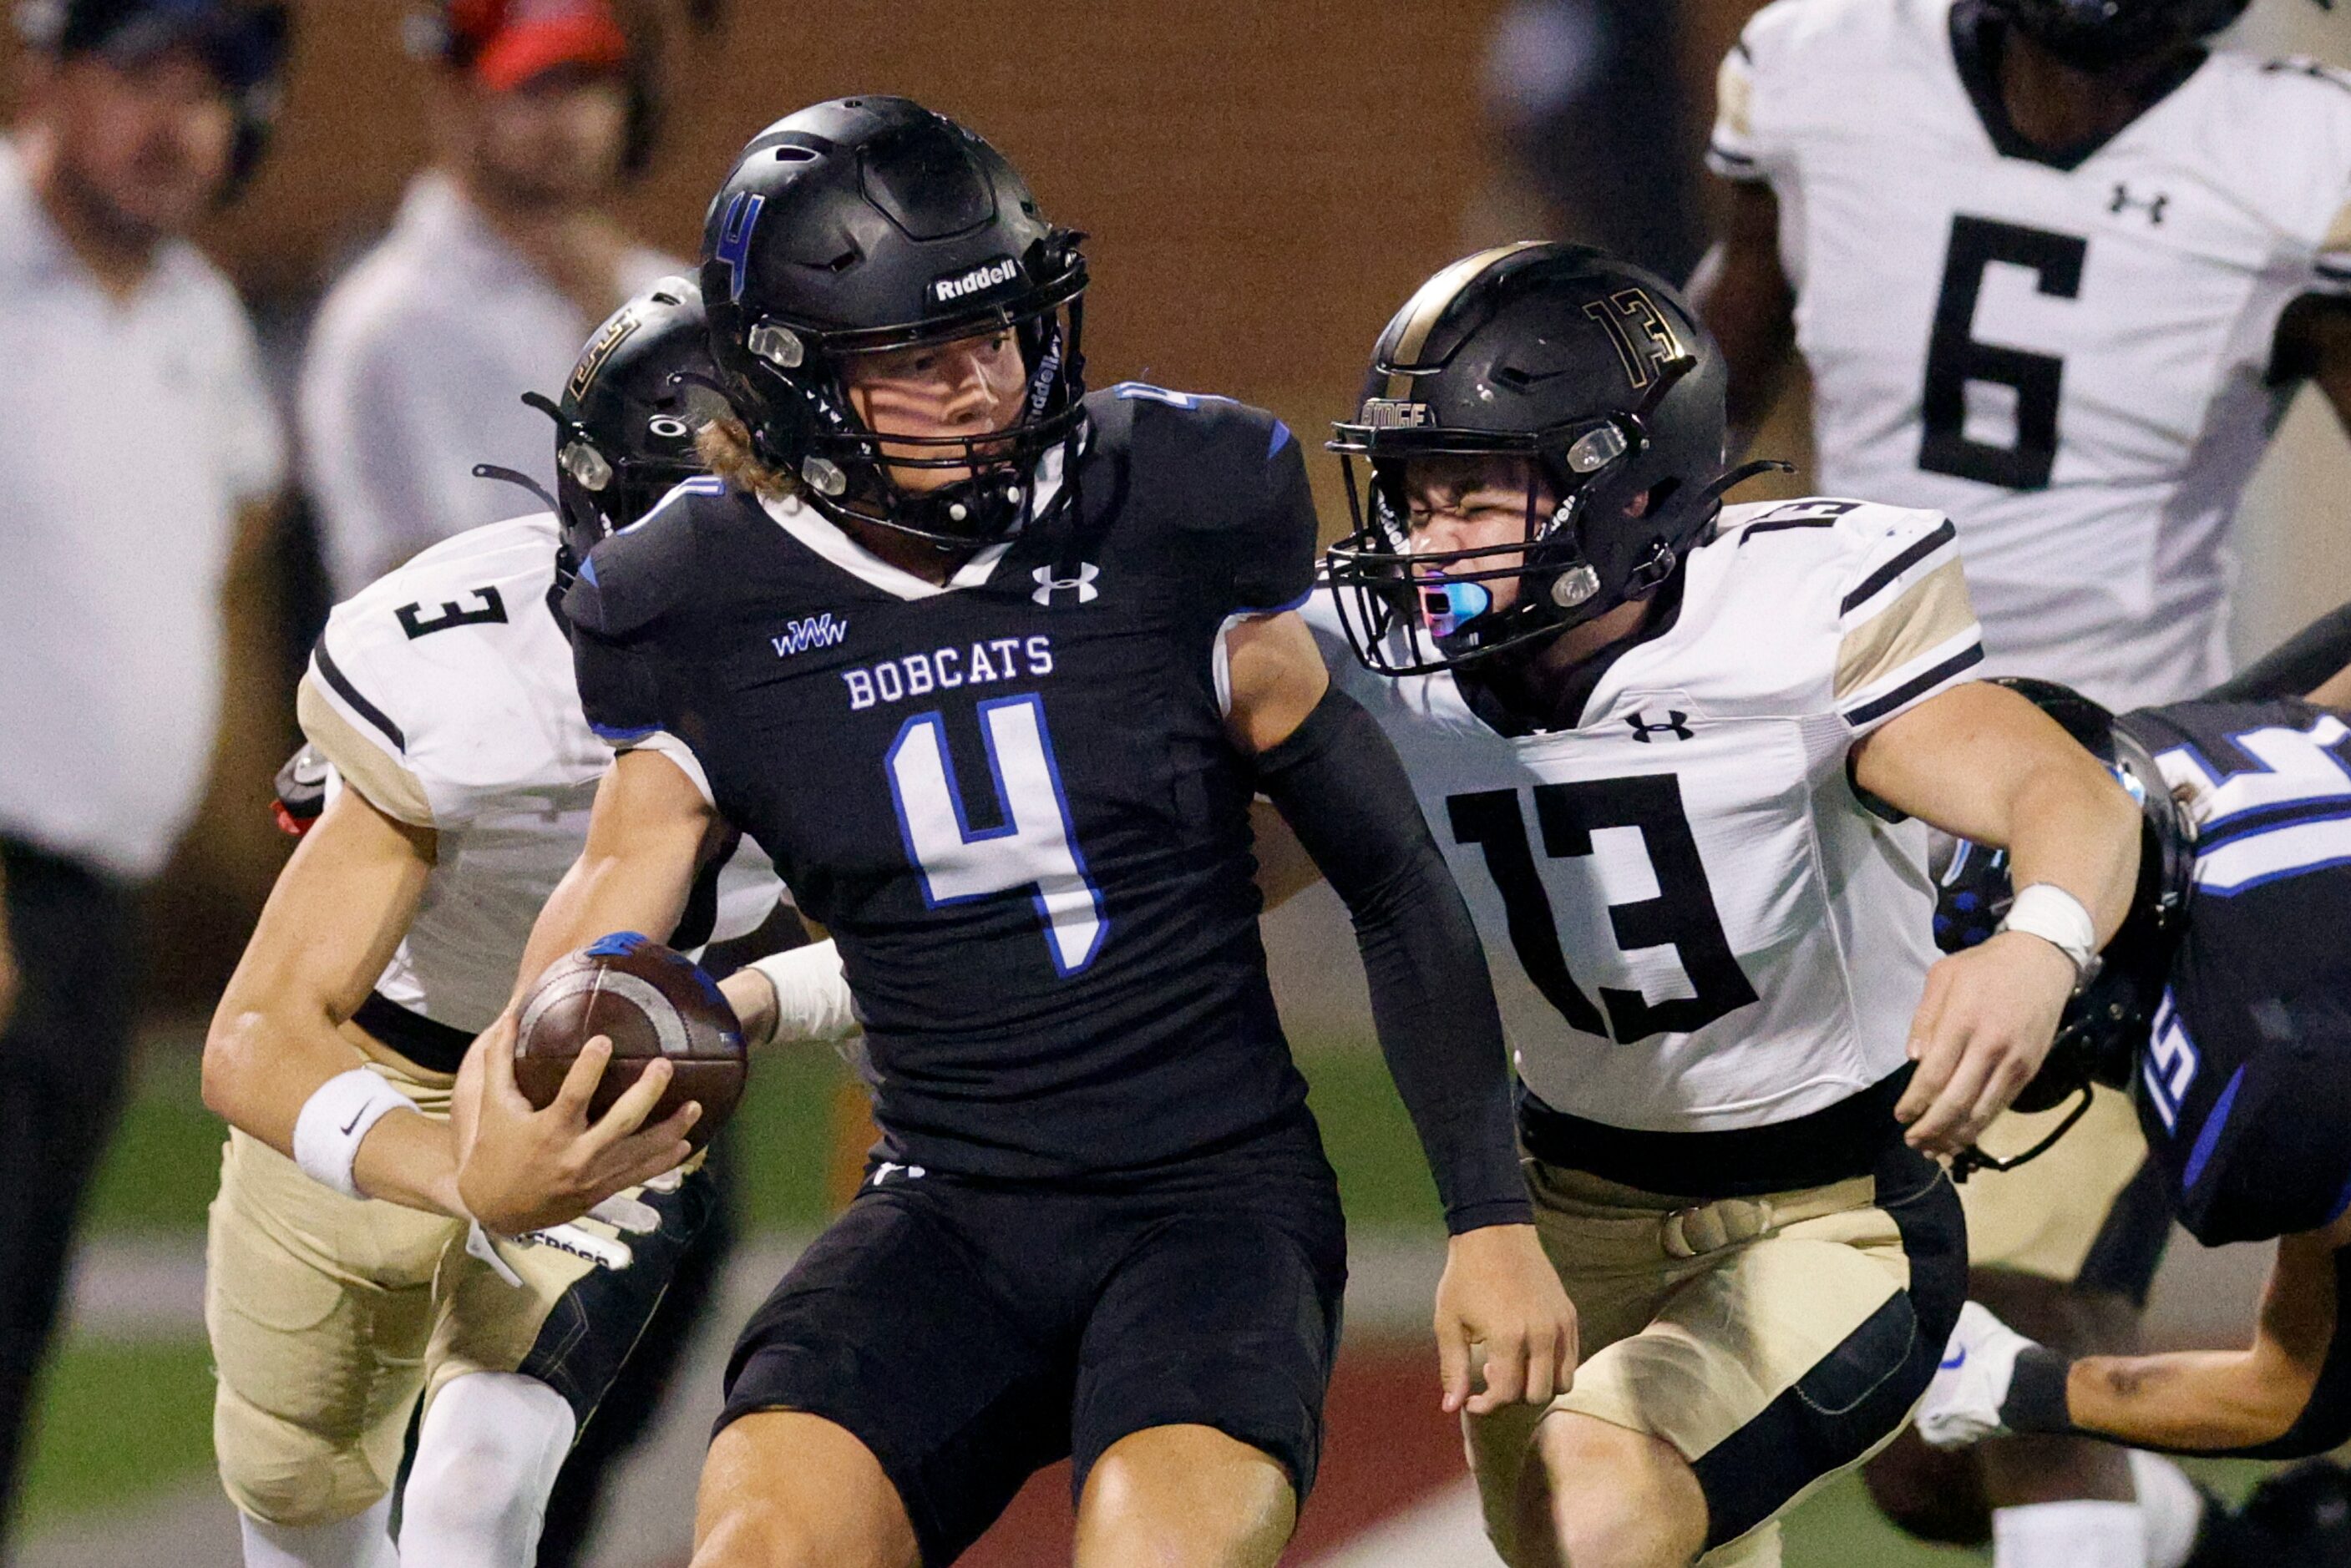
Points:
2036	1392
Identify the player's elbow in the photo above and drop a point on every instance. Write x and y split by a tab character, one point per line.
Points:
232	1062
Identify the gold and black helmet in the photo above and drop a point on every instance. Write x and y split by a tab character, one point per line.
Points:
1594	371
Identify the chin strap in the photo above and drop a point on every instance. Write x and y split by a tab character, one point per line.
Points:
1972	1159
1730	481
508	476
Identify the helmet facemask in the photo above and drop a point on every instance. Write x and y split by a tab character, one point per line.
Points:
1413	612
602	486
812	431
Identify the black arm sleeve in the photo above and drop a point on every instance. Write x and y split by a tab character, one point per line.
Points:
2296	667
1339	784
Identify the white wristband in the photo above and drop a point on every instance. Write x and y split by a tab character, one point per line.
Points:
812	1000
2048	911
327	1134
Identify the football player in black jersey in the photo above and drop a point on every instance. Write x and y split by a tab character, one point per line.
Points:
2225	1005
993	669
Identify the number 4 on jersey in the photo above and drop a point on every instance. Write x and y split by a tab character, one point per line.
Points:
1035	846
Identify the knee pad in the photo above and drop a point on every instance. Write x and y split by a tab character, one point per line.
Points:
487	1457
280	1473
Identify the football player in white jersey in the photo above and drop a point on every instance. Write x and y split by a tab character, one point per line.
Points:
1669	748
2055	268
344	1279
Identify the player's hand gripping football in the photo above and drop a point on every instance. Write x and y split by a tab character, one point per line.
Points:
1982	1030
521	1169
1500	1294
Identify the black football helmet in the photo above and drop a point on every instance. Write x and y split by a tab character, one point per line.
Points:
624	427
867	225
1595	371
2096	35
2105	1025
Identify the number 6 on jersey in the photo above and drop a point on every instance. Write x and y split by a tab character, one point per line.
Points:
1035	846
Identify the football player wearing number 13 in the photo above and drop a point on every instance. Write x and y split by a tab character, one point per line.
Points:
1679	756
994	669
2056	268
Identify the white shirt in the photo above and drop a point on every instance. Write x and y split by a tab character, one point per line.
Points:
442	692
1693	923
2133	289
133	433
415	372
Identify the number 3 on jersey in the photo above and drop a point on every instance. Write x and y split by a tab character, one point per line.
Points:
1035	846
1680	913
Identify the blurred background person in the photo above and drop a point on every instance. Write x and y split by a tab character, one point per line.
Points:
139	445
502	258
1587	101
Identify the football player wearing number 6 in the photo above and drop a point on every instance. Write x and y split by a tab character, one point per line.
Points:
2056	268
994	669
1680	756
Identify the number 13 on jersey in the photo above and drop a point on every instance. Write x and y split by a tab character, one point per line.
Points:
1035	846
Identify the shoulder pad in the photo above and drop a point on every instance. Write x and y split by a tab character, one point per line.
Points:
635	577
1223	458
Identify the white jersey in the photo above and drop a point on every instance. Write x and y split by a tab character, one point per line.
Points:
1693	922
2069	355
442	692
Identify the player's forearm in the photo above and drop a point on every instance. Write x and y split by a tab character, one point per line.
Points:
1742	295
2075	828
1980	763
1338	784
263	1064
599	894
2197	1401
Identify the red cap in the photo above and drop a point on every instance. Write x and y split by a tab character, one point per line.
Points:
505	42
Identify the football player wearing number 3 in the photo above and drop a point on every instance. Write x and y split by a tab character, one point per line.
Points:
994	669
345	1286
1674	753
2056	268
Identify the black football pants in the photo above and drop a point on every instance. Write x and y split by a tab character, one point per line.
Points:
63	1053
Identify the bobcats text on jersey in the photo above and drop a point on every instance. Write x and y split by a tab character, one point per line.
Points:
1013	805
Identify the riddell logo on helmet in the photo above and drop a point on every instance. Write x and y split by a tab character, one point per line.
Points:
979	279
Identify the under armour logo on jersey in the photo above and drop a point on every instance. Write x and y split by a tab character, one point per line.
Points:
1676	724
1083	585
2124	201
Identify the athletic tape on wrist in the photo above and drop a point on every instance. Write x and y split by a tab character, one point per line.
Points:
813	999
2036	1392
2048	911
334	1119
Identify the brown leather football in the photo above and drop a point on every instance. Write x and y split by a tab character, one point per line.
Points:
650	1001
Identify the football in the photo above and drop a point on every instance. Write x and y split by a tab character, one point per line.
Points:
651	1002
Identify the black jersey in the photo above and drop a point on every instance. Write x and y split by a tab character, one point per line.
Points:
1011	802
2246	1090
